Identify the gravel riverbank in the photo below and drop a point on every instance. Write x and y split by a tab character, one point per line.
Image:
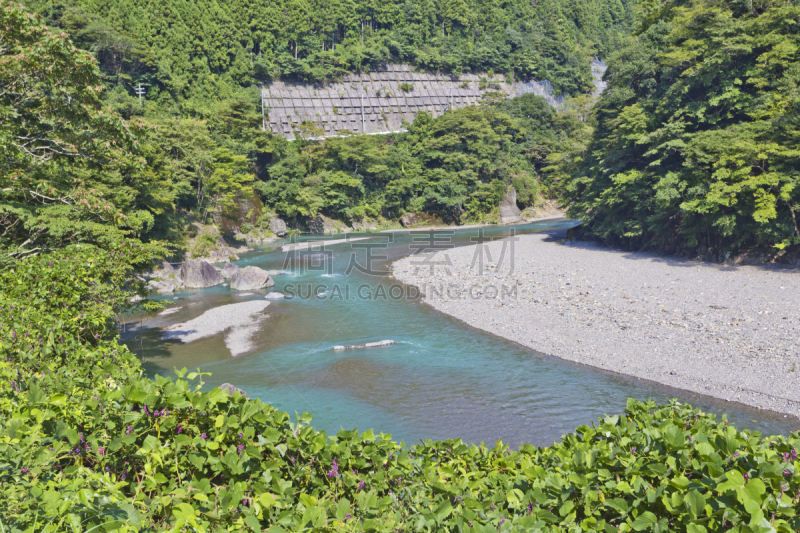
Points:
732	332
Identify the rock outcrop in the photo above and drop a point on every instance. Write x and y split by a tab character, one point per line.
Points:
410	219
164	271
229	270
164	286
509	212
322	224
197	274
278	227
249	278
231	389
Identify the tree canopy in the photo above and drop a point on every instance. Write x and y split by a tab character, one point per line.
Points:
204	49
696	139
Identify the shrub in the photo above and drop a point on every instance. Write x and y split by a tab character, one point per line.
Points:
89	444
203	245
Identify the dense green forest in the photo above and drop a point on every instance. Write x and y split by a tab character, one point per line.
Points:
183	157
696	142
456	167
198	51
88	444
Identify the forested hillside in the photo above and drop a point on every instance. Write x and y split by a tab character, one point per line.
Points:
696	146
201	50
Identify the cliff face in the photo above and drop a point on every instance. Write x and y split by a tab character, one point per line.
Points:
379	102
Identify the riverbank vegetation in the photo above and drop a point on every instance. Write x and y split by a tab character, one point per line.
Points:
694	146
90	196
87	443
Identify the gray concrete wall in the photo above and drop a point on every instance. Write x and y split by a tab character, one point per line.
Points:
374	102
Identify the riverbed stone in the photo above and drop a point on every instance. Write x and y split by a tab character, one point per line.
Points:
249	278
229	270
198	274
278	227
274	296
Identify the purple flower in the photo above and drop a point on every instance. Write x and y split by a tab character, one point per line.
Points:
240	448
502	520
690	438
203	436
745	476
347	517
491	506
128	431
361	485
245	501
240	435
24	470
180	429
100	450
633	450
787	472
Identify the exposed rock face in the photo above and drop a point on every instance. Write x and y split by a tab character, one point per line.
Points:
229	270
249	278
198	274
509	212
322	224
231	389
278	227
410	219
364	225
164	286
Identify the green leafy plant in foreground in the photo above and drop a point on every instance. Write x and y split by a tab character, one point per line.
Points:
90	444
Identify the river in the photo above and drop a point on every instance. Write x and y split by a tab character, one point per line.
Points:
443	379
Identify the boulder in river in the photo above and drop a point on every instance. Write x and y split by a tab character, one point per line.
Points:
509	212
229	270
231	389
164	286
367	345
249	278
198	274
274	296
278	227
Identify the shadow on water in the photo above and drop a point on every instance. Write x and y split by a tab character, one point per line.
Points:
443	379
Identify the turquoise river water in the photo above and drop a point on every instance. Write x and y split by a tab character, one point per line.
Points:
443	379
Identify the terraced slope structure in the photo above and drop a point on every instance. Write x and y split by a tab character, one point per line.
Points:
379	102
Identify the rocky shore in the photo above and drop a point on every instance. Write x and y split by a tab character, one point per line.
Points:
732	332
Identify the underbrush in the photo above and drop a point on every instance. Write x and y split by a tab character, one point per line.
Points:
90	444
